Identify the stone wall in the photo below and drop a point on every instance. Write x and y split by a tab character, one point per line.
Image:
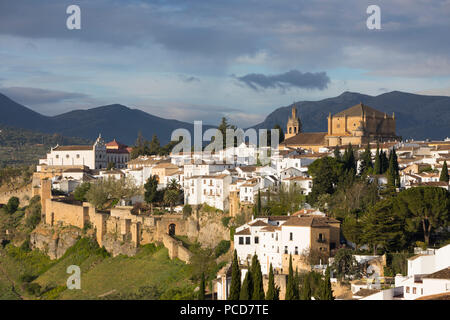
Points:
176	249
60	212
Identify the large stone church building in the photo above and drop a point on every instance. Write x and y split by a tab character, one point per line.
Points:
356	125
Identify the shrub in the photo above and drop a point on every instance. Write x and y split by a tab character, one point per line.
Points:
222	248
33	289
187	211
226	221
12	205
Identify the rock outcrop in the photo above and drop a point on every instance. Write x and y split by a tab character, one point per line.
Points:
54	241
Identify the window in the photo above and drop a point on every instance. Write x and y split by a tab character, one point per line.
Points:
257	240
285	250
78	156
414	290
291	236
67	156
57	156
296	250
407	289
241	240
247	240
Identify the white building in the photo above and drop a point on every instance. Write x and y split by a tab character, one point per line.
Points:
93	156
272	237
213	190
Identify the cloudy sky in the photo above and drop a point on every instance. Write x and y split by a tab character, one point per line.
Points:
201	60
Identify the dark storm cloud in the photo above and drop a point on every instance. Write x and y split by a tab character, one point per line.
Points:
309	34
290	79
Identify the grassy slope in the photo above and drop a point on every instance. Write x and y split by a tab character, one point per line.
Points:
123	276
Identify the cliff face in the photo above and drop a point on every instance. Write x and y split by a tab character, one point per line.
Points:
208	229
54	241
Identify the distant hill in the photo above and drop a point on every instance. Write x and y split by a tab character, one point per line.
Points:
112	121
417	116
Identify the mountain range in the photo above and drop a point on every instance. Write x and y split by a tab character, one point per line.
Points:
417	117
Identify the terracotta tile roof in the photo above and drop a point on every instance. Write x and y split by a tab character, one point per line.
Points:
440	296
72	148
258	223
441	274
116	144
270	228
309	221
366	292
359	110
306	138
244	232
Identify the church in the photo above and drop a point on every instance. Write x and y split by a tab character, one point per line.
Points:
357	125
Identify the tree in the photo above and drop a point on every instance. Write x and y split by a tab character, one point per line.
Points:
273	292
384	226
235	287
427	207
80	192
352	229
155	146
12	205
337	153
344	264
151	191
291	292
325	173
201	294
259	205
349	159
306	288
325	291
247	287
366	161
377	166
384	162
258	290
223	126
110	189
281	133
444	173
110	166
391	174
171	196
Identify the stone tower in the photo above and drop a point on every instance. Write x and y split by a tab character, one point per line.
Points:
294	125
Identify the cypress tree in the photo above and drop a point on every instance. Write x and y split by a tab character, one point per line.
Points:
384	162
272	291
258	289
297	285
391	171
377	166
326	293
259	206
247	287
235	287
444	173
366	161
337	153
290	286
306	289
201	294
396	168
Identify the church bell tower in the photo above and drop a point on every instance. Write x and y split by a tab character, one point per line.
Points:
294	125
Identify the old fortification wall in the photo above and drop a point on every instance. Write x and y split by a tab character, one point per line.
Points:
176	249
